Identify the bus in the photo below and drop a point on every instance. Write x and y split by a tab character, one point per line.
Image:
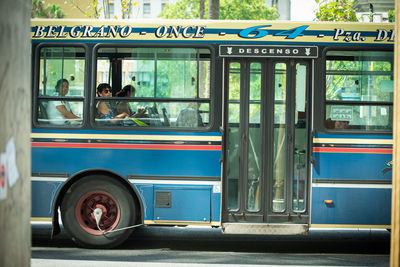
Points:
254	127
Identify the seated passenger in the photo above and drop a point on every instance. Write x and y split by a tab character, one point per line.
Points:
59	112
189	117
123	106
341	124
104	109
333	124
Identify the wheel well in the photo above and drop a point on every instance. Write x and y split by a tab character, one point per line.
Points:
60	195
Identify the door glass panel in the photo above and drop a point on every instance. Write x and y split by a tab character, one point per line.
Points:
300	172
254	144
280	143
233	136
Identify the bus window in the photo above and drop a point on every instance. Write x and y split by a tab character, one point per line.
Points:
233	148
359	90
280	143
254	148
171	86
61	86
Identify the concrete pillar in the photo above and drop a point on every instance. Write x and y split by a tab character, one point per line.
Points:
395	234
15	127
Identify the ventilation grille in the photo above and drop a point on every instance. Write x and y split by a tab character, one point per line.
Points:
163	199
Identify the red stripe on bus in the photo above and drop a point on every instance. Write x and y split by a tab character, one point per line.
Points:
353	150
128	146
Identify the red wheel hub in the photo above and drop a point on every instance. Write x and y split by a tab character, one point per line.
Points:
109	207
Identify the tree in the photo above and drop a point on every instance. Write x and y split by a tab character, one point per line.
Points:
201	11
228	10
183	9
54	11
98	7
213	9
247	10
91	11
51	11
336	10
391	14
127	7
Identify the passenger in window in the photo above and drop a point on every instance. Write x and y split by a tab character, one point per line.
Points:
189	117
105	111
60	112
123	106
341	124
332	124
329	123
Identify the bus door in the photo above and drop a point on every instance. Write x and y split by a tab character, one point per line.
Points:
266	130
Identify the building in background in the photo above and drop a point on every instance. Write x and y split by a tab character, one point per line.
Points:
283	6
148	9
378	8
140	9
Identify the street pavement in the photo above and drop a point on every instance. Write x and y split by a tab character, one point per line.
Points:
198	247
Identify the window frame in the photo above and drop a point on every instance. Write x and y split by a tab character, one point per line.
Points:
211	100
326	103
36	98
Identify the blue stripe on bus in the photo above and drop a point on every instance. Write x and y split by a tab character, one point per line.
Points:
127	162
354	206
353	136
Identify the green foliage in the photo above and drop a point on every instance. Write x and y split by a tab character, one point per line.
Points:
54	11
37	9
246	10
391	15
228	10
90	11
51	11
337	10
183	9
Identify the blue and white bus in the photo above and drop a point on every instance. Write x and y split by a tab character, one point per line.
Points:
256	127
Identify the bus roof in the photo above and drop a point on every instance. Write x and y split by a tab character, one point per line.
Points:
213	32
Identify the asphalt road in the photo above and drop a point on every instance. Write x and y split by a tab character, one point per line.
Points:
184	246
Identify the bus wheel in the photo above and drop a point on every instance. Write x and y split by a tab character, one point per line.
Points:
114	205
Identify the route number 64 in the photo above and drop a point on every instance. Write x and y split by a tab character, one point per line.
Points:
257	32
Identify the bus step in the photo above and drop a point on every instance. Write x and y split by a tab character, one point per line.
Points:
264	228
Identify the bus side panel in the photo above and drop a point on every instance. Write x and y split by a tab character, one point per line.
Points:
189	203
43	199
216	204
351	180
146	194
365	166
351	206
151	162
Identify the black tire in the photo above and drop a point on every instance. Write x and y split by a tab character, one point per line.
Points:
112	197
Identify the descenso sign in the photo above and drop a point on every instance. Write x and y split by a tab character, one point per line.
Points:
268	51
